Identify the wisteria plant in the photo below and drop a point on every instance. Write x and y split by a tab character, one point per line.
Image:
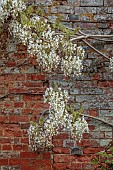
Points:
55	46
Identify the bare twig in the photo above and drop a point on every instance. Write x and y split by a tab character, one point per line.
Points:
92	117
97	38
97	51
83	21
96	118
4	96
79	38
91	36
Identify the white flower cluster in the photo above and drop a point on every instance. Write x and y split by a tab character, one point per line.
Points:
72	61
80	126
11	8
57	100
59	120
38	138
111	64
20	32
41	40
47	50
44	46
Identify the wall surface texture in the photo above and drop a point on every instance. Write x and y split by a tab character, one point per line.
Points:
22	87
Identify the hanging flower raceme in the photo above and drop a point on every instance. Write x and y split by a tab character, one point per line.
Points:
41	40
47	46
72	60
11	8
111	64
59	120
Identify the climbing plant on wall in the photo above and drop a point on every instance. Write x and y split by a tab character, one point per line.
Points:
54	46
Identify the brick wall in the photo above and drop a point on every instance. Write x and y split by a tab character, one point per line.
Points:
22	87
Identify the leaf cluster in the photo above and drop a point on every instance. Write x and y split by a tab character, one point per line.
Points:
103	160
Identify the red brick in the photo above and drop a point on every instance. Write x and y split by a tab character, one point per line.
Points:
32	84
60	166
93	113
17	119
57	142
97	76
63	158
44	162
17	133
3	119
24	140
91	150
19	90
24	162
59	150
47	155
30	155
6	147
91	127
103	84
26	167
27	111
36	77
32	97
75	166
18	104
11	63
3	161
20	147
88	143
12	77
13	161
25	125
61	136
21	47
8	105
84	158
5	140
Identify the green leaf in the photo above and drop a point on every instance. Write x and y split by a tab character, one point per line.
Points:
30	10
41	121
94	161
103	168
24	19
107	161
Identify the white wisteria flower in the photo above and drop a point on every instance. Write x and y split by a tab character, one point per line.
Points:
111	64
58	120
11	8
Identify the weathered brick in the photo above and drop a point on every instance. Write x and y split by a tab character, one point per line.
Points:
9	154
108	3
85	10
58	150
10	168
73	2
110	10
6	147
63	158
91	3
36	77
87	98
91	150
60	166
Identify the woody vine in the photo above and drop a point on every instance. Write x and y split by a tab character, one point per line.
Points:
55	46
